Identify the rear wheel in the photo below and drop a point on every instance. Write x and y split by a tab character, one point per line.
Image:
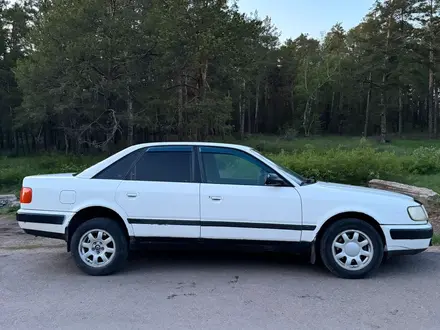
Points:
351	248
99	247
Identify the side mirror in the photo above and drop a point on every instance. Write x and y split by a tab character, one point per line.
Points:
272	179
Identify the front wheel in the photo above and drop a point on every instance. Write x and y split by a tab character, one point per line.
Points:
351	248
99	247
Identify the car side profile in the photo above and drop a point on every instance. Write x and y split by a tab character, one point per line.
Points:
214	193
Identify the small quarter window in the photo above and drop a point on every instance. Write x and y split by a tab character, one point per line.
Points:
119	169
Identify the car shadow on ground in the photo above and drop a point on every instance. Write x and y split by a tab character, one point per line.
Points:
139	261
271	263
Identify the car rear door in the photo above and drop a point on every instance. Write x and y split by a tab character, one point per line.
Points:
161	193
236	204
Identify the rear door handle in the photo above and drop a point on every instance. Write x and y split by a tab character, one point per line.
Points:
132	195
216	198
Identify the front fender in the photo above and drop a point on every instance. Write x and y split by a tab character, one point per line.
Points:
322	218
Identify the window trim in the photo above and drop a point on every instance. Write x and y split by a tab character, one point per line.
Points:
166	148
236	152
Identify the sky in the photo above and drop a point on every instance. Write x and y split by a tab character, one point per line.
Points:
293	17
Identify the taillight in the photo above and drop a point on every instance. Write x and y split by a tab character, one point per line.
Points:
25	195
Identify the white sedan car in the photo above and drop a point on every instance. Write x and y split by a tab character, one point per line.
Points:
212	193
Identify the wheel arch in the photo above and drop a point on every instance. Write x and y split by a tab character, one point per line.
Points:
91	212
350	215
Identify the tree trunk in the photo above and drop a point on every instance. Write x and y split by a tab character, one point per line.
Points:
431	74
330	115
249	114
257	102
430	96
66	143
203	77
1	139
180	109
400	113
292	103
242	109
269	121
341	103
21	141
34	143
367	107
249	124
306	118
26	142
45	138
16	144
383	114
130	123
435	110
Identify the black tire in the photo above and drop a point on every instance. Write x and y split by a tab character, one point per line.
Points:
335	229
120	246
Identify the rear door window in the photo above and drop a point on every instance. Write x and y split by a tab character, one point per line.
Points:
165	164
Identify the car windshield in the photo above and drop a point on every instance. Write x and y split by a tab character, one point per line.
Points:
299	179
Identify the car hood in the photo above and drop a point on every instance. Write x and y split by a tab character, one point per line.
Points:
349	189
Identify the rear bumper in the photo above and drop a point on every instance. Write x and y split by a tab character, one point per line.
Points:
51	225
47	234
40	218
407	239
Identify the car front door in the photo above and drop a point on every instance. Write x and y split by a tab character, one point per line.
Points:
236	203
161	193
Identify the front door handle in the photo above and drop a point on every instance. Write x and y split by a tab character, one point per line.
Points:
216	198
132	195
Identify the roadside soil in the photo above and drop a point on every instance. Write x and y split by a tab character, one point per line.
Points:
12	237
434	218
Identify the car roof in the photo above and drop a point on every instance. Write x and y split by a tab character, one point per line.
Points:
93	170
186	143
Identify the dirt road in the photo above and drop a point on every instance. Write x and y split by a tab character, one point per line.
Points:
42	288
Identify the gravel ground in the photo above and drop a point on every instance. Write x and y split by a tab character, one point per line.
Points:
13	237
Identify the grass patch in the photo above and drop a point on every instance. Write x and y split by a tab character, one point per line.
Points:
9	210
14	169
431	181
436	239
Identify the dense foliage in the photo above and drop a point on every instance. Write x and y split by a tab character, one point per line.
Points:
90	75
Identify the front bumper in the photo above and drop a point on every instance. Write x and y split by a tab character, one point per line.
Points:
413	233
407	239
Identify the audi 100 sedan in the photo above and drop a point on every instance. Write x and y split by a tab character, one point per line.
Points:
212	193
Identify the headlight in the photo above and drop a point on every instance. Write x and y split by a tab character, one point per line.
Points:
417	213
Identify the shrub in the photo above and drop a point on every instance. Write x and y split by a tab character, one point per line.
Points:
355	166
15	169
352	165
423	160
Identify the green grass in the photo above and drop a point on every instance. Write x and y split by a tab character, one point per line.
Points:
436	239
14	169
8	210
429	181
